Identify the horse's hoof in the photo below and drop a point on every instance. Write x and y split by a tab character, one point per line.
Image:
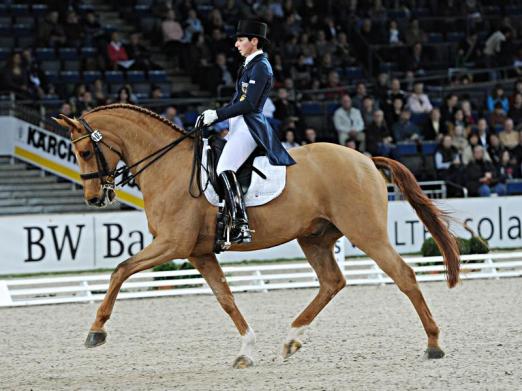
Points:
243	362
432	353
95	338
291	347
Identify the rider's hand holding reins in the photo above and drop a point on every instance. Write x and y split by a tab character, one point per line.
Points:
209	117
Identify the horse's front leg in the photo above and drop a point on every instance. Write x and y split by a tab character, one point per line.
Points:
155	253
209	268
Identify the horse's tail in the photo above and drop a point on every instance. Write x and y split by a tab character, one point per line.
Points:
432	217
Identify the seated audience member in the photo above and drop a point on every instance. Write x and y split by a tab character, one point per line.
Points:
467	154
447	160
172	36
348	121
497	96
393	113
310	136
460	141
116	51
360	94
393	93
494	148
137	52
507	168
515	111
498	116
418	102
509	136
469	118
289	140
368	109
378	138
405	130
171	113
517	151
434	128
351	143
448	109
284	106
124	96
481	176
483	132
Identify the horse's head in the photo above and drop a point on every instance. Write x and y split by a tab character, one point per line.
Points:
96	158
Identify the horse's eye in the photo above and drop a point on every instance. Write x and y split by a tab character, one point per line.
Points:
85	154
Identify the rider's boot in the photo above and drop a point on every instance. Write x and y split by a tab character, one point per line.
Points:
240	232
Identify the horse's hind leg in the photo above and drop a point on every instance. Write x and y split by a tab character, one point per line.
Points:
209	268
319	252
403	275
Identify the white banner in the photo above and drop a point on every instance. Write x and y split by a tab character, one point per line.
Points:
40	243
52	153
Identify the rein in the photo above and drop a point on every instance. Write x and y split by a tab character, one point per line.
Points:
107	177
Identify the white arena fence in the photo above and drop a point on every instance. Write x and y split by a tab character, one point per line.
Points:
262	277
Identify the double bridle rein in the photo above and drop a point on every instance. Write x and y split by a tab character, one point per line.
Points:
107	176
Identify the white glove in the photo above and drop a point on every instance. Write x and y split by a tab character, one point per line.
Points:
209	117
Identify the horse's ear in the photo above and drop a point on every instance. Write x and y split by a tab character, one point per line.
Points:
67	122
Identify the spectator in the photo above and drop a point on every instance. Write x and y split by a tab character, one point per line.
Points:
74	31
394	35
307	50
116	52
515	111
172	36
417	60
219	77
509	137
138	53
360	93
124	96
497	117
378	137
507	168
405	130
460	140
284	107
343	52
100	93
449	108
517	151
468	50
447	160
469	117
481	178
92	29
322	46
395	92
370	33
334	86
302	72
434	128
482	132
418	102
493	45
414	33
348	121
171	113
467	154
192	26
66	109
289	140
497	96
50	31
368	109
394	113
269	108
495	149
15	76
310	136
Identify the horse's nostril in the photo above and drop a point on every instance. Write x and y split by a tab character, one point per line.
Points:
93	200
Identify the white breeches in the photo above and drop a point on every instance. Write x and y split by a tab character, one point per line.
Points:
240	144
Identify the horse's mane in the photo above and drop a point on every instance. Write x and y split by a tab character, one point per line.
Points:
139	109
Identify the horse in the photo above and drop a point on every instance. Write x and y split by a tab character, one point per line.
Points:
332	191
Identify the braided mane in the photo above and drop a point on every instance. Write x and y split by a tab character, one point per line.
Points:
139	109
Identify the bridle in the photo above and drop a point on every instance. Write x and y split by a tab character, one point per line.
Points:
107	176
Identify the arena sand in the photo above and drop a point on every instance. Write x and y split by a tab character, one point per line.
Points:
368	338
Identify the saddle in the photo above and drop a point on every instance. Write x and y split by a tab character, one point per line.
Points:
244	174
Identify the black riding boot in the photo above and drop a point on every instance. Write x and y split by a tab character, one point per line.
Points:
240	232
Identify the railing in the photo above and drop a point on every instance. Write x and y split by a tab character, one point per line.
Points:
90	288
433	189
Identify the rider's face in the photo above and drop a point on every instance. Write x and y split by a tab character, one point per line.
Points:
246	46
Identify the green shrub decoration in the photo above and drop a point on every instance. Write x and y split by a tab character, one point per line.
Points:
474	245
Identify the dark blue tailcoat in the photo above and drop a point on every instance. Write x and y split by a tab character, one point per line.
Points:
252	89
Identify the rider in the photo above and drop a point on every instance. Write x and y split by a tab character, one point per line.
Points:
248	127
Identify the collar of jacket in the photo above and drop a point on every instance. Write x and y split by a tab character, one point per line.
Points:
255	60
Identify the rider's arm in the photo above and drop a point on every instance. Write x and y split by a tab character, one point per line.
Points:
257	85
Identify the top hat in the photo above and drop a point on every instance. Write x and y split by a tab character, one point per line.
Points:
252	28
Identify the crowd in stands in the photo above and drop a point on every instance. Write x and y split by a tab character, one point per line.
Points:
319	51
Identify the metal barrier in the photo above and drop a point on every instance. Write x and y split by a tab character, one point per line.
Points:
90	288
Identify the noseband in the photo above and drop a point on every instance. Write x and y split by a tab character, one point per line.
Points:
107	176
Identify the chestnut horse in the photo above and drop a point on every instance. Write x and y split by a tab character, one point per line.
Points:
332	191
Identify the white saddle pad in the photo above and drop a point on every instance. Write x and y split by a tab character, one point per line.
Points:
260	191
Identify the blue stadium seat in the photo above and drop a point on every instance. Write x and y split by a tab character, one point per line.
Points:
142	9
514	10
19	9
141	88
354	73
68	53
435	38
148	24
70	76
514	187
20	29
50	65
498	128
29	20
7	41
421	12
45	54
397	14
388	67
455	36
114	76
51	76
4	53
5	29
331	107
190	117
39	9
88	52
311	108
428	148
136	76
419	119
436	102
157	76
406	149
72	65
91	76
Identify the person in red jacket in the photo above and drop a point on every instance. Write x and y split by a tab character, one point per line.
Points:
116	51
